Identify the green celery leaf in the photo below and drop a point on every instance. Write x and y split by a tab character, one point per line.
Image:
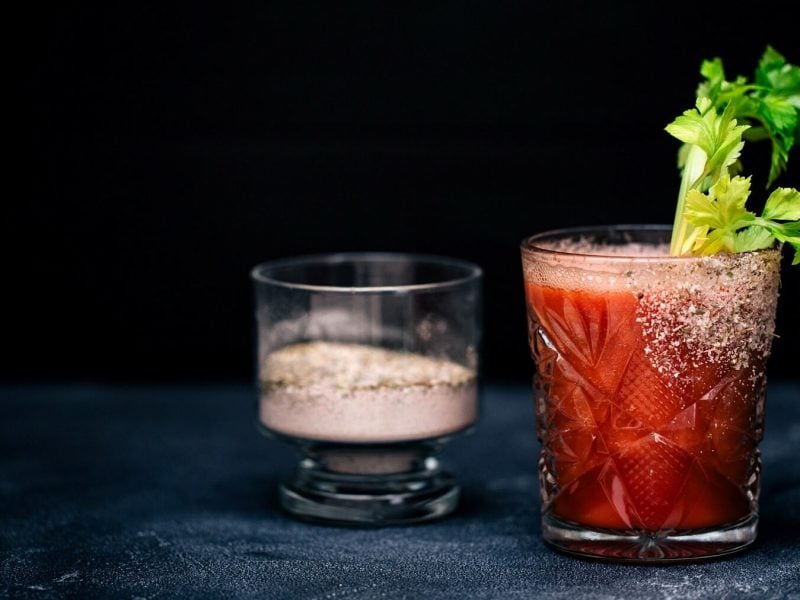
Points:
753	238
714	73
790	234
716	241
731	195
781	78
777	106
695	239
779	113
719	136
725	139
783	204
785	232
722	211
701	210
728	148
781	121
691	128
792	231
769	61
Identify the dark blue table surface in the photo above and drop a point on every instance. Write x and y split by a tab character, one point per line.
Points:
164	492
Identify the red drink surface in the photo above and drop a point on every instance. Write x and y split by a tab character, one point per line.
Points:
627	443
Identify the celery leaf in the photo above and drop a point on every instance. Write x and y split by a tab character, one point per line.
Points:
770	104
783	204
723	207
718	136
775	73
753	238
781	120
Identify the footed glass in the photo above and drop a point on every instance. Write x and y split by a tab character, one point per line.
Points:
368	365
649	391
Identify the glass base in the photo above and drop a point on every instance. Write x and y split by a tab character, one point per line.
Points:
316	492
648	547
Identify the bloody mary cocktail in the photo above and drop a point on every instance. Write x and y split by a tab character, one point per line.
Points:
649	391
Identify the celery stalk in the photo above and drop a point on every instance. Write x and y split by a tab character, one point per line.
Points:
692	172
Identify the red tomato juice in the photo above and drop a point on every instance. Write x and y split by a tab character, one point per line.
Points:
629	446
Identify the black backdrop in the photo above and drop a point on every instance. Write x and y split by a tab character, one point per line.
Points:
169	150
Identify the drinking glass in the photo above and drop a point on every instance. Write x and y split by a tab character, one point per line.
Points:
649	391
368	364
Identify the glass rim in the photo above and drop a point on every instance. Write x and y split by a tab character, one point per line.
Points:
529	246
472	272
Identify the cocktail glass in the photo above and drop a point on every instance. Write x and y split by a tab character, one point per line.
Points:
368	364
649	391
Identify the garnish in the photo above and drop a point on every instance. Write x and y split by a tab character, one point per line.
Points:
711	216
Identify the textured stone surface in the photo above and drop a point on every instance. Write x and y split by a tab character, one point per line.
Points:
169	492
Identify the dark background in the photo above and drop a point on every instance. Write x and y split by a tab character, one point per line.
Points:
170	149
